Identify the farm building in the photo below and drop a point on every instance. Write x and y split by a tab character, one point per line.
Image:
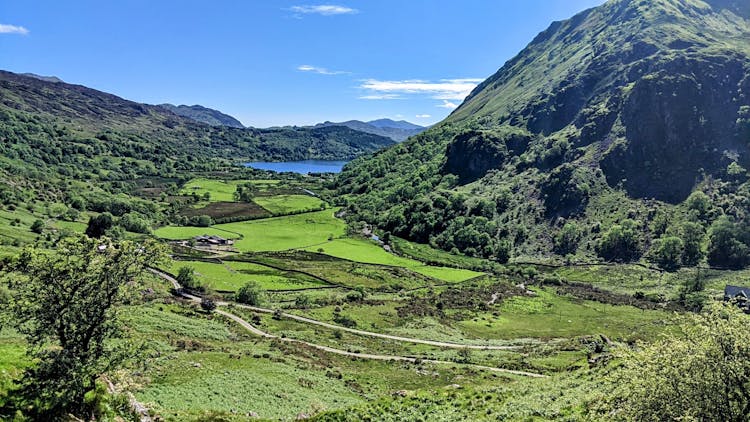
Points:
212	240
739	295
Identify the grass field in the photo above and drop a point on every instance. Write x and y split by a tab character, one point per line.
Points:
182	233
12	359
289	232
219	190
206	367
366	251
286	204
230	276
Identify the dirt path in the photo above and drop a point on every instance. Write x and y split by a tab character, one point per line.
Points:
251	328
305	320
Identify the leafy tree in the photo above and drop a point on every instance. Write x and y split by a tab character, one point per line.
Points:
99	225
692	238
566	241
621	243
37	226
250	294
186	278
729	244
200	221
700	204
134	222
208	304
668	251
65	304
700	373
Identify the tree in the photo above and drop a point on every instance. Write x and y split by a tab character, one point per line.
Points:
208	304
621	242
250	294
692	238
699	204
566	241
186	278
729	244
99	225
37	226
65	304
667	252
700	373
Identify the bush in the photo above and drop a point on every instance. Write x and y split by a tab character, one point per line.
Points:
250	294
37	226
207	304
667	253
621	243
729	244
99	225
700	373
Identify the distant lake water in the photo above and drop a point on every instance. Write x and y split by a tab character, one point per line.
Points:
301	167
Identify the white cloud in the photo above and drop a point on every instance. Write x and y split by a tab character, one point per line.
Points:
447	104
319	70
381	97
324	9
13	29
444	89
422	116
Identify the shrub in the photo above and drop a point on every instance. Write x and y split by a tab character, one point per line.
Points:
250	294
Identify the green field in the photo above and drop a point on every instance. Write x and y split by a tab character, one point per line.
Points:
184	233
289	232
218	189
286	204
231	275
366	251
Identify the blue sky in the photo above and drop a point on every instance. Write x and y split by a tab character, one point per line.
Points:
278	62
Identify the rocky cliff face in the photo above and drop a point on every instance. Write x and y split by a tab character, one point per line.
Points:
639	100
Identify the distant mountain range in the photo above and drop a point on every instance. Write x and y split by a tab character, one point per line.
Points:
397	130
51	129
202	114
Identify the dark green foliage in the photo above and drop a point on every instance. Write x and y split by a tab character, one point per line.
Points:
200	221
65	305
692	235
37	226
668	252
566	241
99	225
729	244
186	278
208	304
621	242
250	294
134	222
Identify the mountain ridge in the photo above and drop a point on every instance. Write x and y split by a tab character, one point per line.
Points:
203	114
398	131
629	107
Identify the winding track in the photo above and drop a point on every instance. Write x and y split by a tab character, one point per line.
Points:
249	327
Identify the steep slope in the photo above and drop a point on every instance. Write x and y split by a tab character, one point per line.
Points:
202	114
398	131
617	113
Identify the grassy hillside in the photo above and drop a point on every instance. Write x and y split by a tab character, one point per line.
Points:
603	138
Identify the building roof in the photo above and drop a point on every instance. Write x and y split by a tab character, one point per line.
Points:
735	291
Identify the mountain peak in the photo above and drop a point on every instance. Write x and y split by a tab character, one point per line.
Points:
203	114
400	124
53	79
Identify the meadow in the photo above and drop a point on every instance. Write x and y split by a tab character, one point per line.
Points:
231	275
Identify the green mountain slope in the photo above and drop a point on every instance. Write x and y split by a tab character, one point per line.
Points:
51	130
398	131
616	114
203	115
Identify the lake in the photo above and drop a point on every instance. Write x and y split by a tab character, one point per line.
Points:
301	167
